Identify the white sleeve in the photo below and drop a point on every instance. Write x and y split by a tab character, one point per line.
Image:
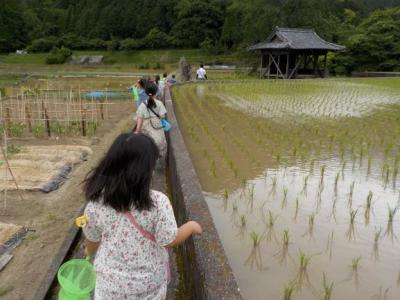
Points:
166	229
93	229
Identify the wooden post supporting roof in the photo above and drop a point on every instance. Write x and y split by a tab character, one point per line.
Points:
298	45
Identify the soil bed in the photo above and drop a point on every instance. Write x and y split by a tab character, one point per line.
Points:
49	216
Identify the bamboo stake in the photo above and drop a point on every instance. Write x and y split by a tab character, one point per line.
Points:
8	121
8	169
101	110
1	109
28	116
47	122
83	115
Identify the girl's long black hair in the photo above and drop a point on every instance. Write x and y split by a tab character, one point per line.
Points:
122	179
151	91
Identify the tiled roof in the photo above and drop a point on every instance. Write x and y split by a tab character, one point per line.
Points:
297	39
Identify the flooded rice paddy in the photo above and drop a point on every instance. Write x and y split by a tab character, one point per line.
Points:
301	178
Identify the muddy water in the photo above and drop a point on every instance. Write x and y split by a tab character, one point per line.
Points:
310	175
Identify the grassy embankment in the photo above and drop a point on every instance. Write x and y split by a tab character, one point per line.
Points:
142	61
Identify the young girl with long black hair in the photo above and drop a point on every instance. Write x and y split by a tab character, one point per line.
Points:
129	225
148	118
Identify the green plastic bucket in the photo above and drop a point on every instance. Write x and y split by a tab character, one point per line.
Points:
77	279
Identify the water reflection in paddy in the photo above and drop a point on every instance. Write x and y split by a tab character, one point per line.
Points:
288	186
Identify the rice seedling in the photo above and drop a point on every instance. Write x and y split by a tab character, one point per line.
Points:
288	291
243	221
284	200
355	265
336	182
255	238
283	253
305	185
322	175
213	170
285	237
383	294
343	169
394	176
312	163
353	159
369	165
351	234
296	209
269	221
303	263
350	201
387	177
235	207
389	227
310	229
274	182
327	288
377	237
361	155
255	258
329	244
368	206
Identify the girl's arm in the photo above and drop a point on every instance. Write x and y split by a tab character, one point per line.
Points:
91	248
185	231
139	124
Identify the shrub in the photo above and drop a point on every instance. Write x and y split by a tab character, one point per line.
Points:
131	44
58	56
156	39
144	66
112	45
211	47
158	66
43	44
95	44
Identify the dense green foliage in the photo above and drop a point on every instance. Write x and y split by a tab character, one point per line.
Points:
58	56
375	44
214	25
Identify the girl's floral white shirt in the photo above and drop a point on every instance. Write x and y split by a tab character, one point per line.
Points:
128	265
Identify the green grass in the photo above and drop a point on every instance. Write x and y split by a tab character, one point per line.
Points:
6	80
5	289
139	57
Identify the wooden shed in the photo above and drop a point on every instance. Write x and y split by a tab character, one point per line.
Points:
293	53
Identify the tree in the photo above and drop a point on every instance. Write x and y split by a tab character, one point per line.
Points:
376	45
198	20
13	31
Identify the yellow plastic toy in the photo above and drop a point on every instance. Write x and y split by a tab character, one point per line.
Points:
81	221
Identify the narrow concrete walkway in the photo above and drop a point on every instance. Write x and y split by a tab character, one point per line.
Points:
160	184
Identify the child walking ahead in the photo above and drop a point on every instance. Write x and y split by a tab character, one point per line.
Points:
129	225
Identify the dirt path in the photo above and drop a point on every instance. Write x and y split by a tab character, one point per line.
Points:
49	216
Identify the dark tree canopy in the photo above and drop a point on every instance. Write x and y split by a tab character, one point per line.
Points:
215	25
